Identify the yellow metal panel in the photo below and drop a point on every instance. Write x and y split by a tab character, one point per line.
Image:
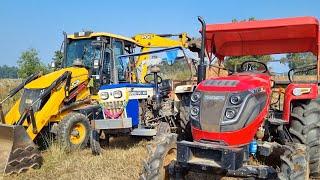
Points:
96	34
46	80
13	114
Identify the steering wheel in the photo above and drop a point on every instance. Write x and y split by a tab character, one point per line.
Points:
303	70
254	66
152	81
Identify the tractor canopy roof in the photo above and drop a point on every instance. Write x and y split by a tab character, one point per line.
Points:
261	37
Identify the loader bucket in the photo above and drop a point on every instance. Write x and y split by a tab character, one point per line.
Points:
18	152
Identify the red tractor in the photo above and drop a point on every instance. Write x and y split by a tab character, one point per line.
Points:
238	129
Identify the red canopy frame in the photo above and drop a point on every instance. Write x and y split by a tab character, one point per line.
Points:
262	37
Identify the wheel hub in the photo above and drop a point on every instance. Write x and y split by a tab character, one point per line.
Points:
78	133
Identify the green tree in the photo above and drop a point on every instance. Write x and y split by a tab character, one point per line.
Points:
8	72
58	59
300	59
30	63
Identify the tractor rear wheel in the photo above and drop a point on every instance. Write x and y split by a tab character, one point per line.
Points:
73	132
305	129
161	153
294	162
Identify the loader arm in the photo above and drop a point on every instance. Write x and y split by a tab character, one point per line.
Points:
148	41
40	105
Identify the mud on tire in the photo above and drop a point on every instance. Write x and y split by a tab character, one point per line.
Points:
305	129
94	143
66	128
161	153
294	162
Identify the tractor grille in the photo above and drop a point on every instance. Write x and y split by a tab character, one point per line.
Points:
212	106
114	108
29	97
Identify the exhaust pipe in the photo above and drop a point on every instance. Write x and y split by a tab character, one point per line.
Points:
202	67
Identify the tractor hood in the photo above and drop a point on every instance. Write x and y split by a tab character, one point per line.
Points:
46	80
235	83
230	109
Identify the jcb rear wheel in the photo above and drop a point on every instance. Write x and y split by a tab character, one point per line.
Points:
305	129
160	156
74	131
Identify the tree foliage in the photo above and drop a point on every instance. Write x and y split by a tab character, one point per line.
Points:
30	63
299	59
58	59
8	72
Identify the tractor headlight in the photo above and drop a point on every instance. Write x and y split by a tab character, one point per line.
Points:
235	99
195	110
230	113
117	94
104	95
195	97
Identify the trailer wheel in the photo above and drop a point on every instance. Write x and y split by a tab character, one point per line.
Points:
161	153
73	132
94	143
305	129
294	163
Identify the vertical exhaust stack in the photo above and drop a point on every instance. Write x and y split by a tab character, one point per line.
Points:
202	67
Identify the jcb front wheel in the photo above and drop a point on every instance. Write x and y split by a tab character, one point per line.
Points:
74	131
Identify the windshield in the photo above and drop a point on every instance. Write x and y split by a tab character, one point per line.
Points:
172	62
300	67
83	50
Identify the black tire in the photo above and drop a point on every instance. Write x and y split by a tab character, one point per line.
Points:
305	129
163	128
294	163
95	143
185	124
67	127
160	155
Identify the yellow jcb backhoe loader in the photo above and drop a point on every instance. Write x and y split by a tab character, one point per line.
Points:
47	101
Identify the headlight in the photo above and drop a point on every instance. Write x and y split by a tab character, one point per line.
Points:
235	99
230	113
117	94
104	95
195	110
195	97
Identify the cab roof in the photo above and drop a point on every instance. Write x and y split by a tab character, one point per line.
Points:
97	34
260	37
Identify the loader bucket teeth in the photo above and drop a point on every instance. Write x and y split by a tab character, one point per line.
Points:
18	152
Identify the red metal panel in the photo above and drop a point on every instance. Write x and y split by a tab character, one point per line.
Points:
260	37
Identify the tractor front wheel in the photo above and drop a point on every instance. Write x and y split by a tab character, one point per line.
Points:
161	153
305	129
74	131
294	162
94	142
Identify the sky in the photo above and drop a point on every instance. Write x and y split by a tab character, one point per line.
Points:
39	24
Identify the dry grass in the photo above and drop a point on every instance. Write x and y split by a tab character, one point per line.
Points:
120	160
5	86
